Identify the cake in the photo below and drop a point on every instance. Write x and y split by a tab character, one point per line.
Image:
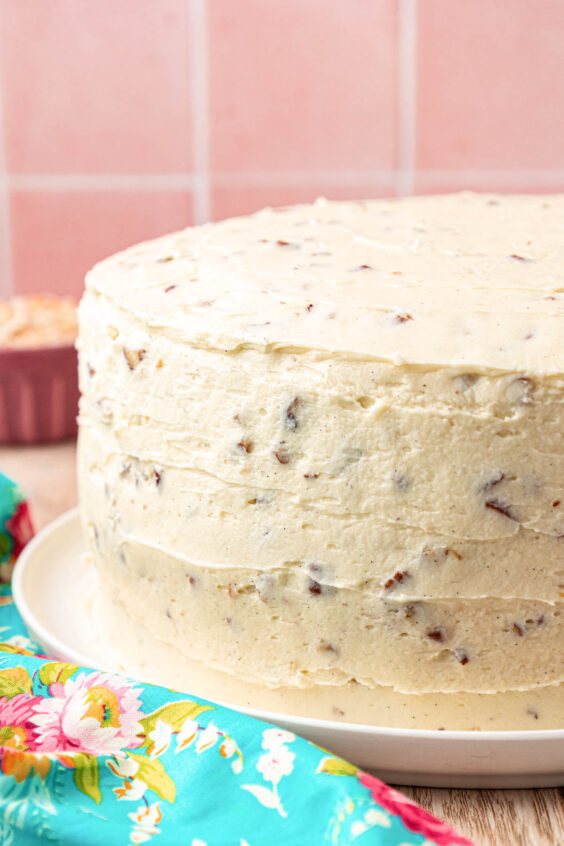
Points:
321	459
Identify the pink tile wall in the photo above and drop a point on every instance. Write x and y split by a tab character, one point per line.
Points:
243	198
57	236
119	121
95	86
489	79
307	87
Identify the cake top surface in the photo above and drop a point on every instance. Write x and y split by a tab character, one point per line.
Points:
466	279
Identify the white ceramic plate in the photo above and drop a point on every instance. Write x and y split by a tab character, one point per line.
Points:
52	587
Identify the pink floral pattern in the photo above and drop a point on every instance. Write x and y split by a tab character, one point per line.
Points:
17	730
20	527
96	713
413	817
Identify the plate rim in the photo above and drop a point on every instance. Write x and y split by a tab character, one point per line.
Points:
484	737
18	586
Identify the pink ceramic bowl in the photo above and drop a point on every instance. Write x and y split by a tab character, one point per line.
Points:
38	394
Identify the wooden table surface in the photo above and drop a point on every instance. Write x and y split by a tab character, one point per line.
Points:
488	817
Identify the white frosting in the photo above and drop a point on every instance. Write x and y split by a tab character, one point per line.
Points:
476	275
323	444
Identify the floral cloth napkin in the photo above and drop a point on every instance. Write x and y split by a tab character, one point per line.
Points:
15	526
90	757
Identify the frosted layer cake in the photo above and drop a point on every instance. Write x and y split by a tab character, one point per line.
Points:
321	459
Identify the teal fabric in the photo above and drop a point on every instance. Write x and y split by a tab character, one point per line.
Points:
89	757
10	498
15	525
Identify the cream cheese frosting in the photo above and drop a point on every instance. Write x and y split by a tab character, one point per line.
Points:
321	452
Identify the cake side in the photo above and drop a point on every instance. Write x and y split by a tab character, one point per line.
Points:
310	518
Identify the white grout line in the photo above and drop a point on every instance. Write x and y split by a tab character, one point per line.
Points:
269	179
190	182
101	182
6	267
550	177
108	182
198	51
407	92
491	179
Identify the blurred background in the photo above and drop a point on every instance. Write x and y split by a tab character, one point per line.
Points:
123	120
